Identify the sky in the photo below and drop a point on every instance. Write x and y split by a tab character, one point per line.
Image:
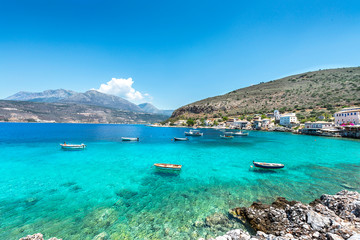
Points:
170	53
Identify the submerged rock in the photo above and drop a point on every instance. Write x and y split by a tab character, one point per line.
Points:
101	236
332	217
37	236
217	219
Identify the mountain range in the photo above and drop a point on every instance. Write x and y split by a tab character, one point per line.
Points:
62	105
27	111
325	89
91	97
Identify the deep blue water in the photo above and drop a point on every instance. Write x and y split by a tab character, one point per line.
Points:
112	187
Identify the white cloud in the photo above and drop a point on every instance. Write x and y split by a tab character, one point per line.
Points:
123	88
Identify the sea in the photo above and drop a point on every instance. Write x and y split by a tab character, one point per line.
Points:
111	190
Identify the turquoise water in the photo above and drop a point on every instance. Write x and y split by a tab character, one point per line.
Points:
111	186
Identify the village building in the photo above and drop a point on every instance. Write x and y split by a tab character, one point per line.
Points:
180	123
288	119
318	125
348	116
265	123
208	122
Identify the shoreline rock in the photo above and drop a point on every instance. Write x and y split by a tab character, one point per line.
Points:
37	236
332	217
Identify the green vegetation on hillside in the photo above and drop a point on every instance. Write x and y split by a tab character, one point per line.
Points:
309	94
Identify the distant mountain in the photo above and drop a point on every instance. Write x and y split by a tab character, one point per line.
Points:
324	89
27	111
91	97
149	108
45	96
95	98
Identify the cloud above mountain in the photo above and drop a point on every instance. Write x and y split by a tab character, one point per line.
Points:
123	88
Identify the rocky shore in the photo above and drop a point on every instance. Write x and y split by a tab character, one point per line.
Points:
37	236
332	217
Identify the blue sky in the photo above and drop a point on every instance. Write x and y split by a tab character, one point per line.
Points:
175	52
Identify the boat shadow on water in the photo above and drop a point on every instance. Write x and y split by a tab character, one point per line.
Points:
264	170
166	173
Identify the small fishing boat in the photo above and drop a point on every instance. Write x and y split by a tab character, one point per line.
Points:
67	146
240	133
166	166
128	139
268	165
194	133
226	137
180	139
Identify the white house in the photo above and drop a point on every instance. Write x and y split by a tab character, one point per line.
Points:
277	115
239	124
265	123
348	115
318	125
180	122
288	119
208	122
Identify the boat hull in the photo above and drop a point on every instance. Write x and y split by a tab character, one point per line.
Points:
181	139
129	139
268	165
193	135
165	166
240	134
73	147
226	137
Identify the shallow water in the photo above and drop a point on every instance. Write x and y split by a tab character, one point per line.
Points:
111	186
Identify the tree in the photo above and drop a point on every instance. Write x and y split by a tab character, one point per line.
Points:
190	122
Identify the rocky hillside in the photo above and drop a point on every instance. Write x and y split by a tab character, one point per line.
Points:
24	111
324	88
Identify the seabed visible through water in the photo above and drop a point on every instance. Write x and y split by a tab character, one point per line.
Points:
112	187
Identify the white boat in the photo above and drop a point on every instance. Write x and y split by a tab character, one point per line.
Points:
226	137
66	146
194	133
129	139
240	133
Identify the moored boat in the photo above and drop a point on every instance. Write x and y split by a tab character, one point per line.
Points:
166	166
66	146
226	137
194	133
268	165
128	139
180	139
240	133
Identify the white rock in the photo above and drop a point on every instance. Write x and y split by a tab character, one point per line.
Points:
316	234
317	221
332	236
354	237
